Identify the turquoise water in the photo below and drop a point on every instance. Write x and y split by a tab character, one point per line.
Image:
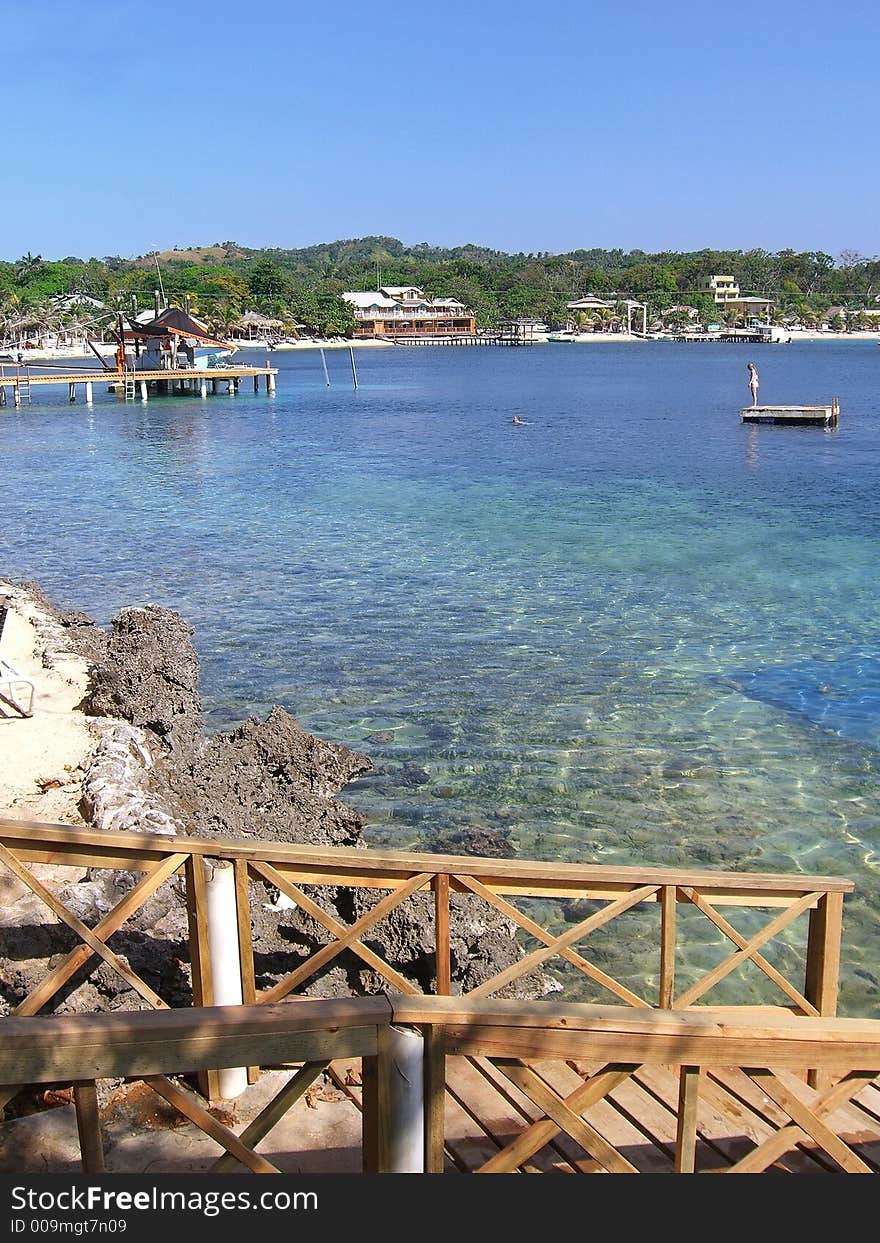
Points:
634	630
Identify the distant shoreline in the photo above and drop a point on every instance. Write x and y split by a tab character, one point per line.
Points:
585	338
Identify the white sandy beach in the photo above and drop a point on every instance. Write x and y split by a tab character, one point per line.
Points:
42	757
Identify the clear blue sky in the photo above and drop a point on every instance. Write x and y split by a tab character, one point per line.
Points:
518	126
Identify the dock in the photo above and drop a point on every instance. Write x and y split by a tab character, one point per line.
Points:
462	338
826	415
131	385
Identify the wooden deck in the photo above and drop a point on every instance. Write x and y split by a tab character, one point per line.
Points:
132	385
825	416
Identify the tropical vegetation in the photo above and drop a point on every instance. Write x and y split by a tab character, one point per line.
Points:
303	287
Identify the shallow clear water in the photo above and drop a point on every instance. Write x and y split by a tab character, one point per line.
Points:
634	630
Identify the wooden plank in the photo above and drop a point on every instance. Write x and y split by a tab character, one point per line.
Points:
245	945
541	934
668	901
711	978
88	1126
822	975
345	938
809	1122
376	1106
565	1118
64	1048
200	958
103	930
418	1008
580	930
82	931
271	1115
569	1156
606	1044
42	842
789	1133
443	970
186	1104
435	1099
480	1122
688	1105
543	1131
740	941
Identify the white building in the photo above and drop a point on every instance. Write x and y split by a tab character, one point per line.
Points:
406	310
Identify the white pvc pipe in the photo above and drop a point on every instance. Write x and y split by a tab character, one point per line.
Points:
407	1139
225	964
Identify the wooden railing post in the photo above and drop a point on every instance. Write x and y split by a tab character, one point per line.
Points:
376	1105
441	933
822	976
823	954
686	1134
667	946
435	1098
200	957
245	944
88	1126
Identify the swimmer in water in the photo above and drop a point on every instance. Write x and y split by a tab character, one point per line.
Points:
516	419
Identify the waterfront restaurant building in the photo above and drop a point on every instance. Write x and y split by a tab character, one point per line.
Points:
407	311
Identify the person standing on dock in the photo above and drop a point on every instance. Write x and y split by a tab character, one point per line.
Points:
753	383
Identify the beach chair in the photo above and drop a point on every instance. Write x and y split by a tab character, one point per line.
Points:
14	689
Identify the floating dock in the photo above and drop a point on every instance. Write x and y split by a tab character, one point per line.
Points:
134	385
825	416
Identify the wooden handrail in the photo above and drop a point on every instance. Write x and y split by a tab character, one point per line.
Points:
130	1044
711	1053
293	868
37	842
716	1036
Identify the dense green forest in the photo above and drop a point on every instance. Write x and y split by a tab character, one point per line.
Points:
303	286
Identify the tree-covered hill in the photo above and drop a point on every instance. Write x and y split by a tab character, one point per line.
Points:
304	285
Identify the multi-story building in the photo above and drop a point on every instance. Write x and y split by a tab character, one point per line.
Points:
407	311
724	289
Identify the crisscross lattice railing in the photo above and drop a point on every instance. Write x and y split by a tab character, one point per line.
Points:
577	904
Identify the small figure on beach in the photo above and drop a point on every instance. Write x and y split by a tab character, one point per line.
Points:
753	382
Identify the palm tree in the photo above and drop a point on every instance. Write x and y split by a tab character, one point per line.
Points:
26	265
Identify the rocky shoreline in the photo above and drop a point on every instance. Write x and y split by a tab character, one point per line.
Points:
153	769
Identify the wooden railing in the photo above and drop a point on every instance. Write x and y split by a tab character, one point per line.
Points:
582	1089
151	1046
807	909
603	1089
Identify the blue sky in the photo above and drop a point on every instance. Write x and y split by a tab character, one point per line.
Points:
523	127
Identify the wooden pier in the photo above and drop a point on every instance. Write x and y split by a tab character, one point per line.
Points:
825	416
137	385
477	338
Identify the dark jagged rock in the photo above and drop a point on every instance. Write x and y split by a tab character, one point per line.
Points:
155	771
150	677
270	780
